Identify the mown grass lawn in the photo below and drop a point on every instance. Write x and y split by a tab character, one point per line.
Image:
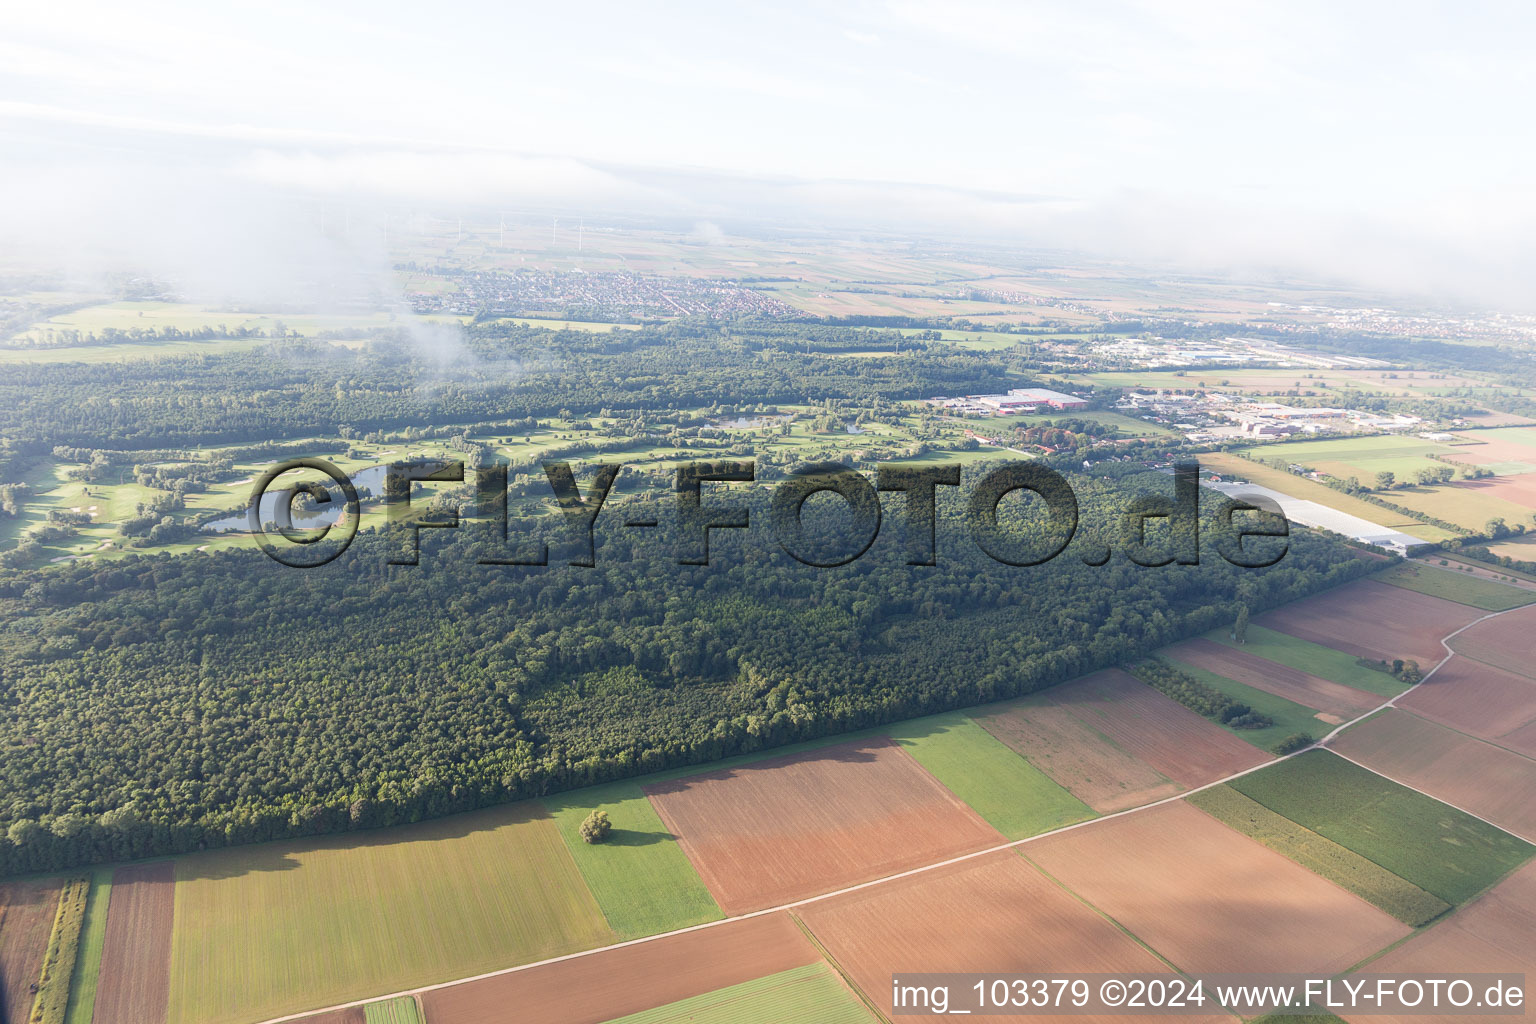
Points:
640	876
1012	795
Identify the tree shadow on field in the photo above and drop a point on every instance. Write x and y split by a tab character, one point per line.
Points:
636	837
858	751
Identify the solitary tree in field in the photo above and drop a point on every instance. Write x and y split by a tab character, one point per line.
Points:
596	827
1385	480
1240	627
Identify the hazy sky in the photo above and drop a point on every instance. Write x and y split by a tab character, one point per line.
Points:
1217	131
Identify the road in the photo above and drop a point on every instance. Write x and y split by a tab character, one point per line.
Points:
1092	822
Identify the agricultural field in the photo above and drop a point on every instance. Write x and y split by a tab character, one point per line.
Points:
1495	932
1209	899
82	986
1312	659
1511	497
1012	795
27	910
784	828
1294	685
1081	760
1287	717
1508	452
1455	561
810	993
1504	642
1490	782
277	928
1189	749
994	913
1456	586
1231	464
1521	549
1366	879
134	980
640	876
128	316
400	1010
1470	504
1421	840
615	983
1479	699
351	1015
1373	620
1359	457
53	983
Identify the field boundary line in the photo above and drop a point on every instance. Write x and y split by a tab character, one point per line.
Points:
837	968
1463	810
1462	732
924	868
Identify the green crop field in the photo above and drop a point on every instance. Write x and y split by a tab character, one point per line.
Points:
1289	717
1321	855
1435	847
640	876
82	984
53	983
1314	658
810	993
401	1010
1361	457
1518	435
1014	796
272	929
1459	587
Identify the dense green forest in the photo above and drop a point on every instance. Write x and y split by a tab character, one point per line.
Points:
158	704
293	388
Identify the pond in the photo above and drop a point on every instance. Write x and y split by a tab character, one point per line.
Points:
314	516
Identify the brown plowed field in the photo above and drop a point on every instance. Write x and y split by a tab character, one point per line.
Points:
26	920
1479	777
1272	677
1155	729
618	982
1505	642
1520	488
785	828
996	913
1490	449
1495	932
1477	698
1080	760
1523	740
1374	620
1210	899
353	1016
135	979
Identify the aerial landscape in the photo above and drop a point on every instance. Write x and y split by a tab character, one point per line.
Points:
859	516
